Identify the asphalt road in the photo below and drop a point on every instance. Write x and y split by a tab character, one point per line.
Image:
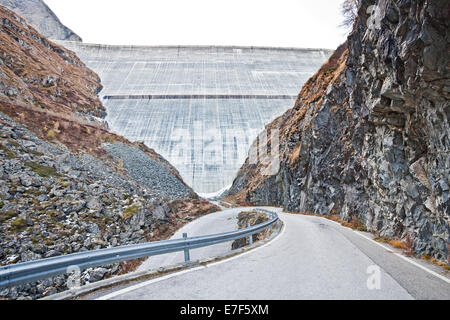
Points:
217	222
313	258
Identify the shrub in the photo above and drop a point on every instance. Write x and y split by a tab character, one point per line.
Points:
120	164
14	143
36	153
130	211
51	134
443	265
40	105
349	11
18	224
10	154
398	244
7	215
355	224
41	170
382	239
409	246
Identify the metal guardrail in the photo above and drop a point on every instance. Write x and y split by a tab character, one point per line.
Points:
31	271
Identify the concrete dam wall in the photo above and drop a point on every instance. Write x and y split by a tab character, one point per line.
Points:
199	107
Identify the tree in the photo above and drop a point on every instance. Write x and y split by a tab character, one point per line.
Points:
349	10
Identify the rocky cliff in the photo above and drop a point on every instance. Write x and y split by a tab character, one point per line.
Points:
66	183
368	137
40	16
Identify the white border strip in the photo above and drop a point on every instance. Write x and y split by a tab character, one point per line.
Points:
143	284
407	259
397	254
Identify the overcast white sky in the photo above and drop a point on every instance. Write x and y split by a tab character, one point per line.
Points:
284	23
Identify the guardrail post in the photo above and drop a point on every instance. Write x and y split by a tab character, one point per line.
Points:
250	237
16	274
187	257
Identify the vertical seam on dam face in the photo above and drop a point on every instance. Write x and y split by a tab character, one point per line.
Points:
200	107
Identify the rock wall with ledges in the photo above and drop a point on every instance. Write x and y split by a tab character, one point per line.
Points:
368	136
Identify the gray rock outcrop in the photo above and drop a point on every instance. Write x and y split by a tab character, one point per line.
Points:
369	134
40	16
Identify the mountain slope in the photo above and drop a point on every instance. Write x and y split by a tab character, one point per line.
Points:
40	16
66	183
368	137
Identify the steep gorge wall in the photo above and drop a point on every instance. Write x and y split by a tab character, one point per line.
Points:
368	136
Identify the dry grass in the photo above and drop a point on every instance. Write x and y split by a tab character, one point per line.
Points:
382	239
294	155
443	265
130	266
355	224
407	247
69	129
398	244
434	261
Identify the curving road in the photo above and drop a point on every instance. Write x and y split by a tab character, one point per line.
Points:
312	258
217	222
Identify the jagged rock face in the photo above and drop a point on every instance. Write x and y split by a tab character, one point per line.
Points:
369	134
40	16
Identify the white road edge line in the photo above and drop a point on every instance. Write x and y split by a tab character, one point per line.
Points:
397	254
407	259
143	284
